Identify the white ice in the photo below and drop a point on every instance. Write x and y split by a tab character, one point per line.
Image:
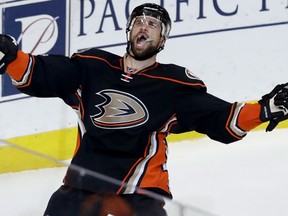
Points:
247	178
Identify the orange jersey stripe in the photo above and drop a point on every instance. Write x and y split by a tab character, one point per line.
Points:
101	59
173	80
155	175
77	143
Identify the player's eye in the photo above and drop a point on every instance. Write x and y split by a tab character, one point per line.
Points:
150	23
139	22
153	24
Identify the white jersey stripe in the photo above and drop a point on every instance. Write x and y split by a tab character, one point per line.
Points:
26	75
139	171
233	123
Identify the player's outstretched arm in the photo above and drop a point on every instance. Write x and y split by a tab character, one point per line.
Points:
274	106
8	51
38	75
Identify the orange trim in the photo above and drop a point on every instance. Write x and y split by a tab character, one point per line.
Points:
171	123
148	69
135	164
249	117
17	68
173	80
101	59
154	175
77	143
154	165
30	77
121	63
118	124
128	174
228	122
127	75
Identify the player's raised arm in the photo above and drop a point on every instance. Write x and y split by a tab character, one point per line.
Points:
226	122
272	107
41	75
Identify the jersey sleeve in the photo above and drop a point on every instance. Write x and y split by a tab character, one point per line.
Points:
220	120
45	76
249	116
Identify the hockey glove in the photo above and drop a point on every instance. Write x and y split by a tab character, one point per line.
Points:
274	106
8	51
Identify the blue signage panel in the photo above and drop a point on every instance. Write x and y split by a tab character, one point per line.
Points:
39	28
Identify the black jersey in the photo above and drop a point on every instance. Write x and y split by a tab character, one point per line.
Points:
125	117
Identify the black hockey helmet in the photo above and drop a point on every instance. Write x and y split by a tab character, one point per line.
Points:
151	10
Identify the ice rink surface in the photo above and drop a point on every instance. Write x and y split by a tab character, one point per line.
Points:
249	177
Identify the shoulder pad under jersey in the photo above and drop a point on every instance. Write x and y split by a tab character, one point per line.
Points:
96	53
177	74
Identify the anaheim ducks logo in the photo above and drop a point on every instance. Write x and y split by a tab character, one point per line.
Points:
119	110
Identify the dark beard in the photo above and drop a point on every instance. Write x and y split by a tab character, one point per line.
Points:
144	54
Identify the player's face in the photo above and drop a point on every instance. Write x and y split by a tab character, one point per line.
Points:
145	36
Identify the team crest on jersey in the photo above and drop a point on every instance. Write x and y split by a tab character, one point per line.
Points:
119	110
191	75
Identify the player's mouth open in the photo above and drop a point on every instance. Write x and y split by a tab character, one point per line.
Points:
141	40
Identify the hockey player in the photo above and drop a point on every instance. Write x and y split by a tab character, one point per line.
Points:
126	115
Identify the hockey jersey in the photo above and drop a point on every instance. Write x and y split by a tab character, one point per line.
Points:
125	117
